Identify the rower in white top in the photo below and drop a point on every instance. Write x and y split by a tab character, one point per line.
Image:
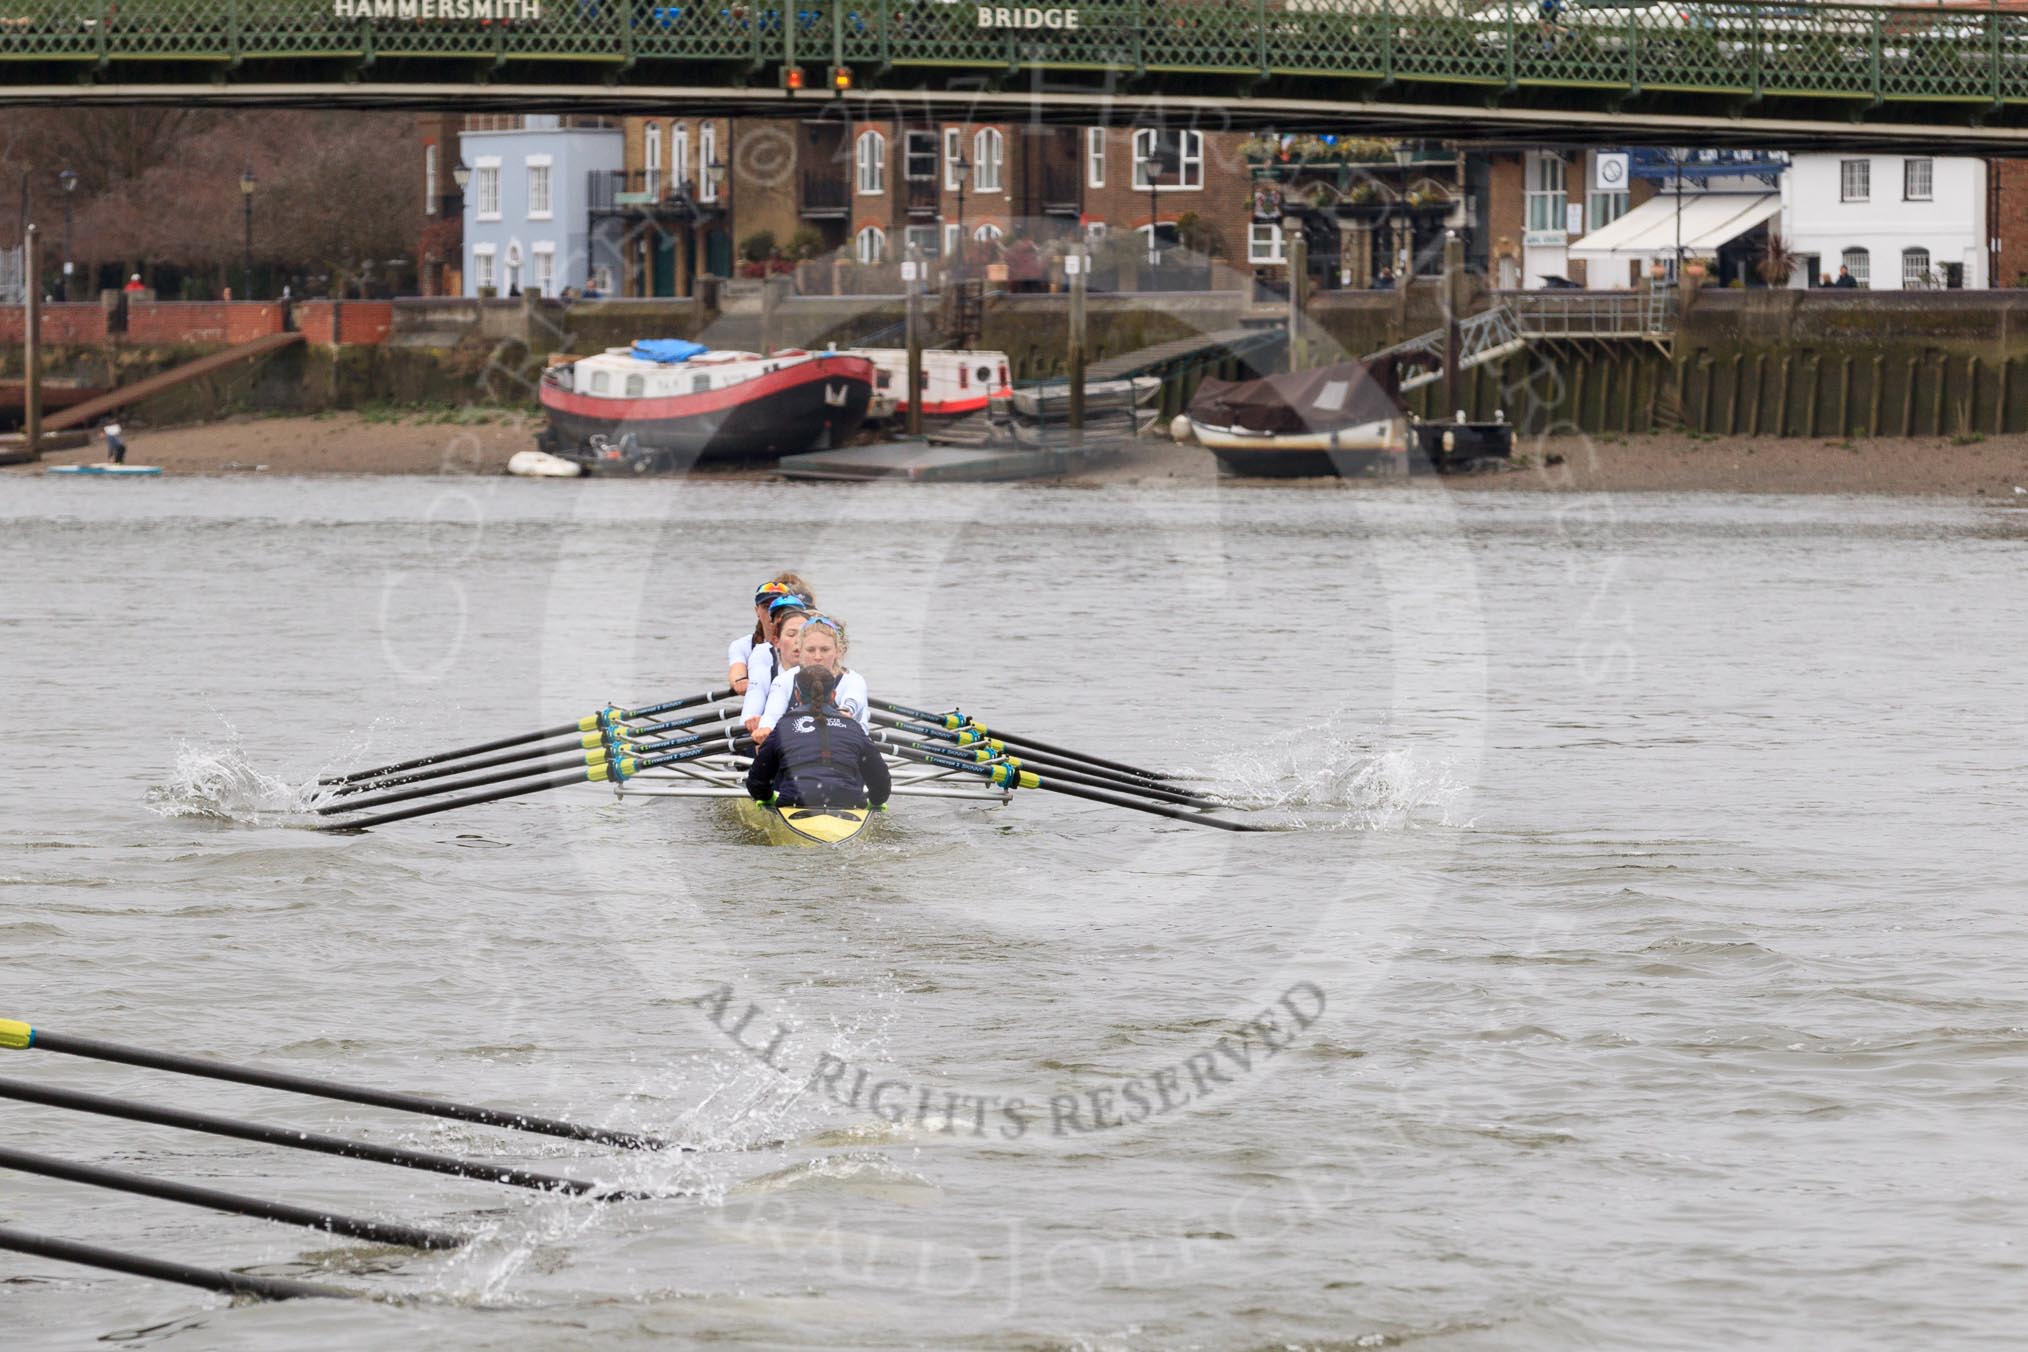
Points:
737	652
764	663
819	643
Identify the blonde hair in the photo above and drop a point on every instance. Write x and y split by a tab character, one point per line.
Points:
795	584
834	624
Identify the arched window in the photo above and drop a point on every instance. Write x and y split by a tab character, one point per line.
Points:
870	156
651	156
988	148
1915	269
870	244
1860	265
679	155
987	234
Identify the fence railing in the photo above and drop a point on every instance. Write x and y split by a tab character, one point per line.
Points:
1751	48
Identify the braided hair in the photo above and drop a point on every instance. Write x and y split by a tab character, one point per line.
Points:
816	687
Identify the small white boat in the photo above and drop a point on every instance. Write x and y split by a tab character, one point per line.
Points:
1340	419
107	471
542	465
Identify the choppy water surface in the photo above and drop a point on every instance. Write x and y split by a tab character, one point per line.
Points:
1656	864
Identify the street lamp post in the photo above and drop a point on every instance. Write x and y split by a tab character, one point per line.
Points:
67	180
961	169
461	177
246	191
1403	257
1679	154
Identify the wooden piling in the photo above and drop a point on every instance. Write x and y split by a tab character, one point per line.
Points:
1815	395
1845	396
1759	379
1781	418
1879	388
1908	397
2000	395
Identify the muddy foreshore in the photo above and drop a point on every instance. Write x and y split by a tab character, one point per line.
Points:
355	444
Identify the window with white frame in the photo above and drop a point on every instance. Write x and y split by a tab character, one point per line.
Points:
1859	264
544	275
951	238
1855	180
1265	244
486	189
679	154
484	270
1603	208
870	245
540	207
1918	180
924	237
919	156
1915	268
1547	199
707	158
1095	157
870	155
430	179
1180	156
954	151
651	158
988	147
987	234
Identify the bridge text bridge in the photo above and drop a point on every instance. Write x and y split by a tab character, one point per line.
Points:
1740	72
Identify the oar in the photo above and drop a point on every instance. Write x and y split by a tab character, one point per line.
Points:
613	771
114	1180
985	756
594	759
1010	778
988	748
589	741
589	723
296	1139
22	1037
958	720
210	1279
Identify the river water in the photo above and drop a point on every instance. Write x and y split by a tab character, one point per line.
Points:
1641	963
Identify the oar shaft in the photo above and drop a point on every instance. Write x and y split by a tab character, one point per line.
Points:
1058	764
1028	743
480	749
1030	780
140	1185
513	791
290	1137
1067	775
431	790
577	741
42	1039
589	723
136	1265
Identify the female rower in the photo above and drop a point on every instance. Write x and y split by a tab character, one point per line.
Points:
736	652
822	758
820	644
785	621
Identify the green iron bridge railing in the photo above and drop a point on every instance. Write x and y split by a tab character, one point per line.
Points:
1962	65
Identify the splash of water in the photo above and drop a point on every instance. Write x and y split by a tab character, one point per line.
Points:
1332	780
222	783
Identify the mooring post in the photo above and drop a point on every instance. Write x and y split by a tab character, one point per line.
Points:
31	337
1075	264
1454	304
911	276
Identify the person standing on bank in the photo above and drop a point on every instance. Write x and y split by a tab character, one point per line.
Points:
116	445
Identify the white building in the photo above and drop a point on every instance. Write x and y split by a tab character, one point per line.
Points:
1894	221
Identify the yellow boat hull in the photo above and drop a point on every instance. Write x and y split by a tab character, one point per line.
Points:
803	825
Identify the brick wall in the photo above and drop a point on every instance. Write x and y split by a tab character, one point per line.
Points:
201	321
1506	211
350	321
79	322
2010	222
1224	202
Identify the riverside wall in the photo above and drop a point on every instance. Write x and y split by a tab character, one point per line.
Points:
1742	363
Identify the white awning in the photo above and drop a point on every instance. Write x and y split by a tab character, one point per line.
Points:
1709	220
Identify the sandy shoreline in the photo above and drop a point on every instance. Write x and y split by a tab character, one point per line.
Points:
353	444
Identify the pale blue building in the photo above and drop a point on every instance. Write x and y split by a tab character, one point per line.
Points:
527	207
